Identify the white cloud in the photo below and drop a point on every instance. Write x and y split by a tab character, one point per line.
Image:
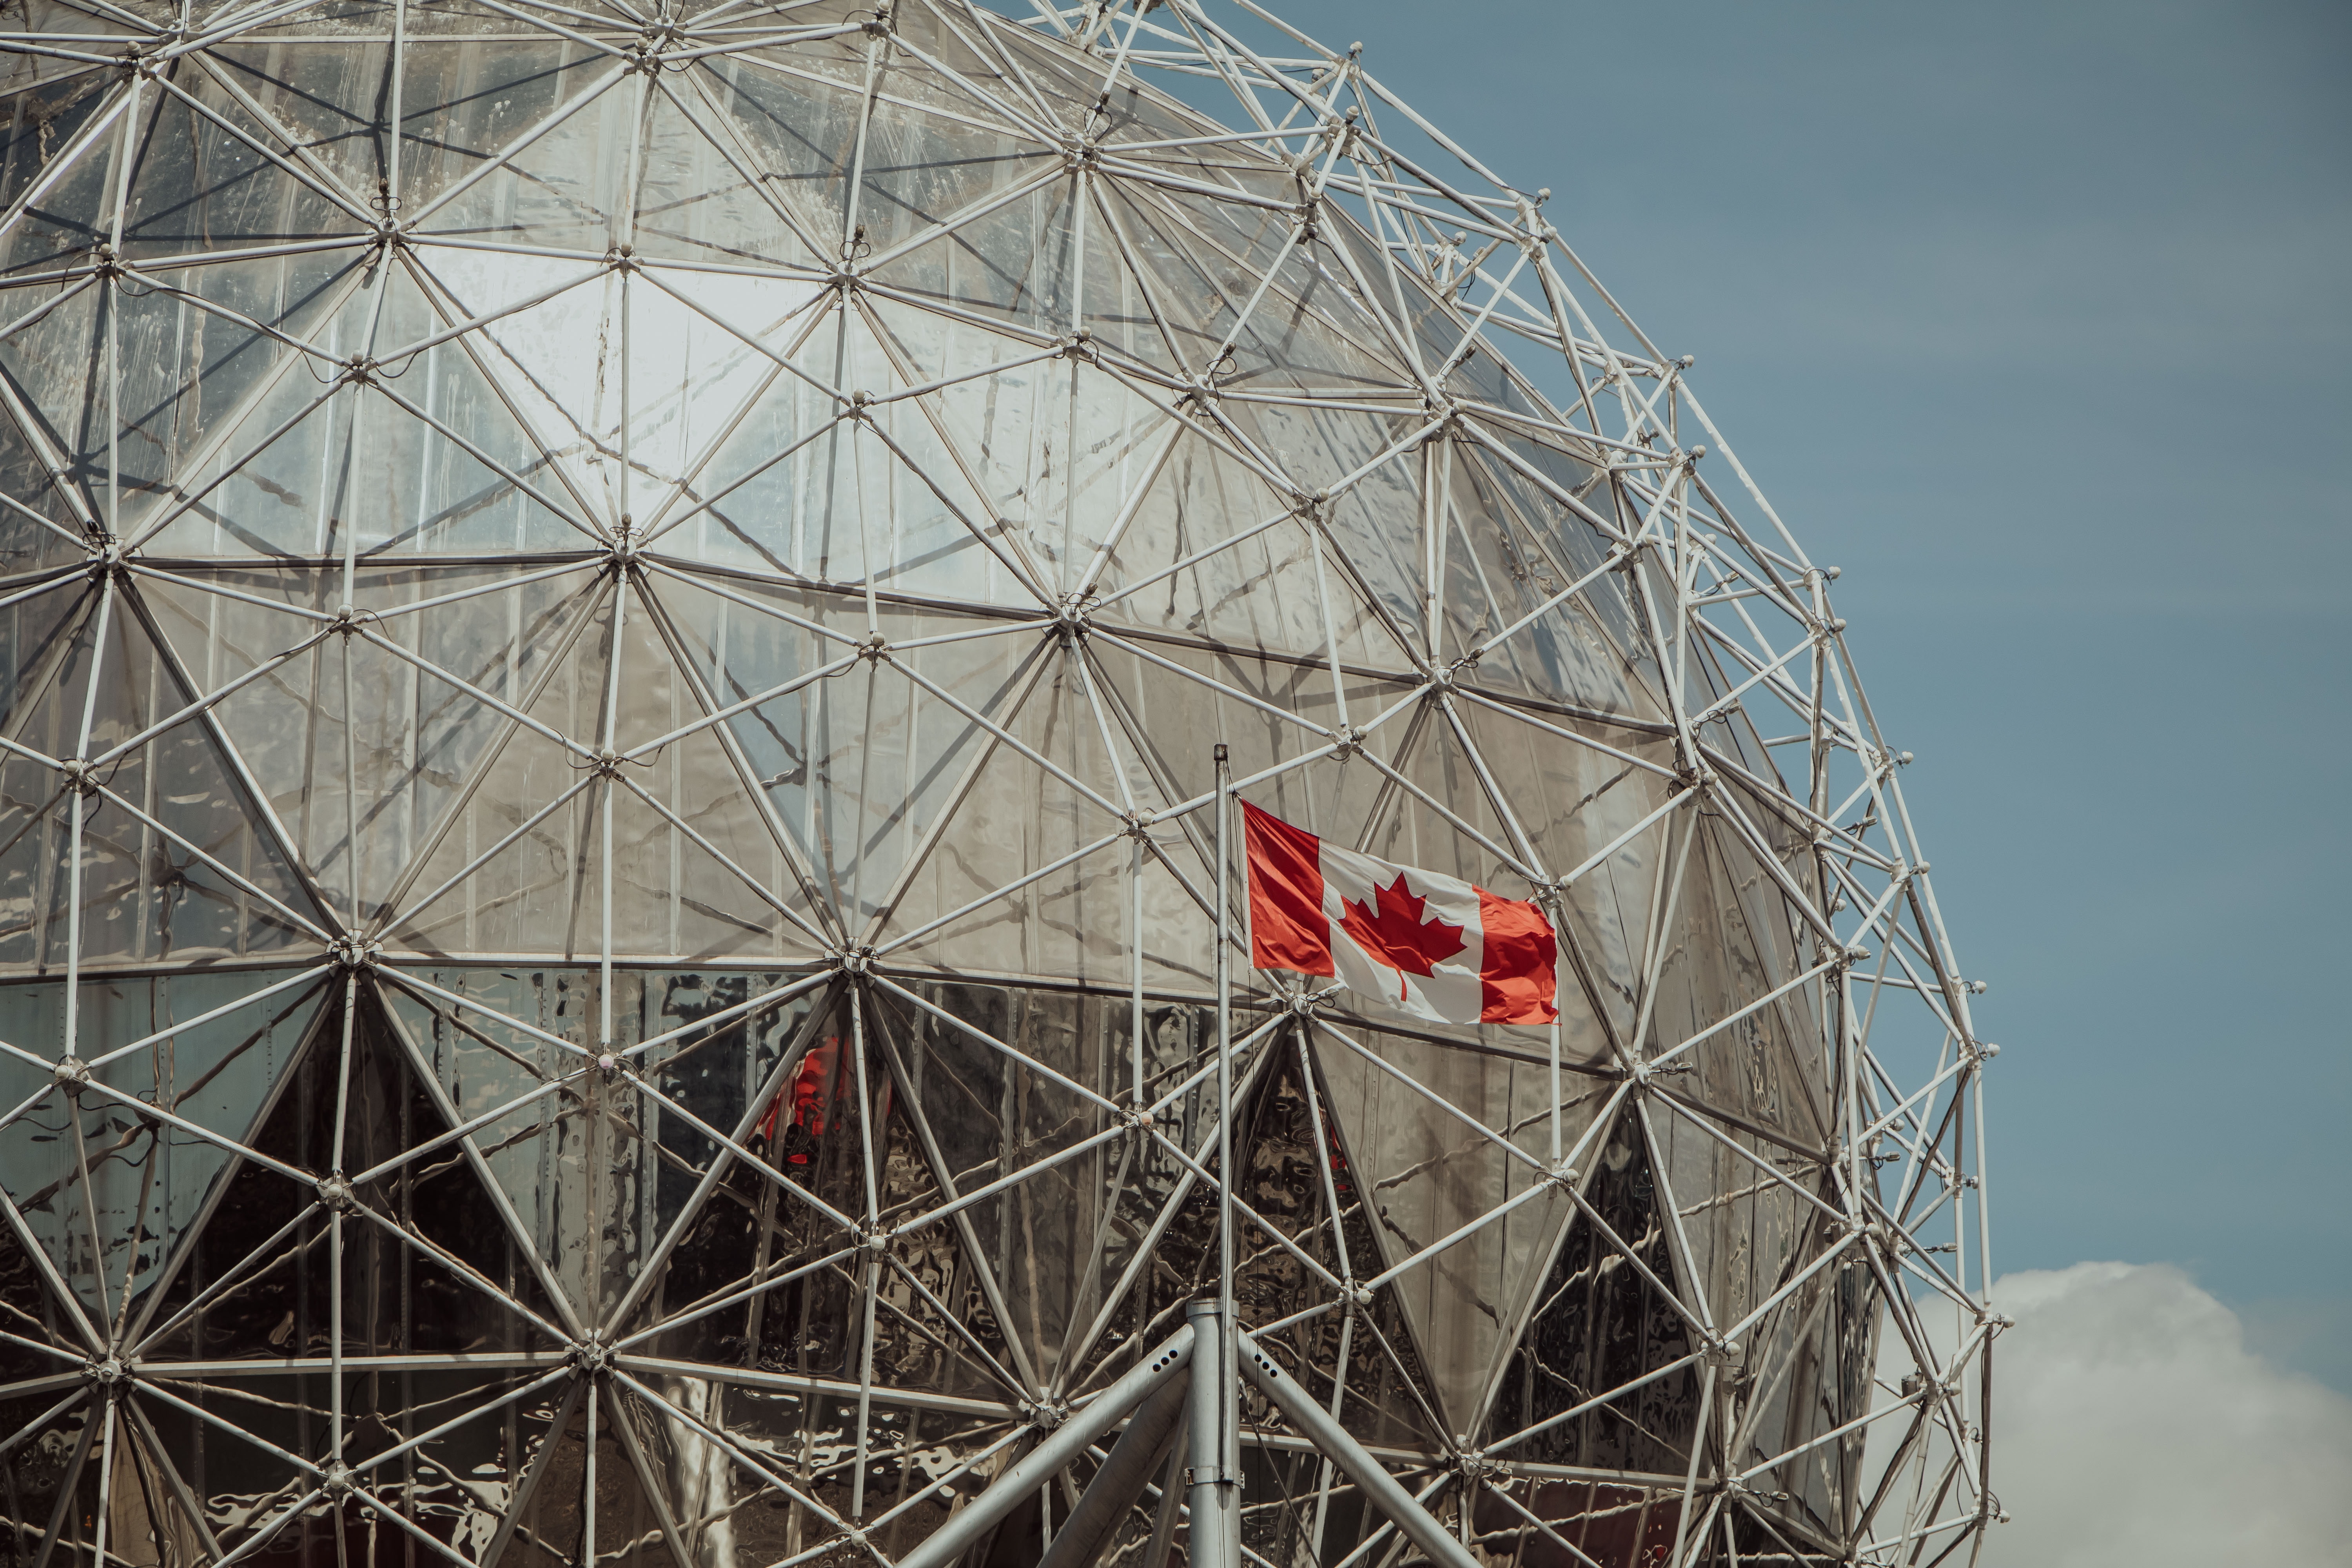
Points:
2132	1428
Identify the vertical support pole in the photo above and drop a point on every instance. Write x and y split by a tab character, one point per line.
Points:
1213	1486
1225	1057
1135	973
1555	908
588	1477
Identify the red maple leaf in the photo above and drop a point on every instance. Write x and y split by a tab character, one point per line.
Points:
1394	935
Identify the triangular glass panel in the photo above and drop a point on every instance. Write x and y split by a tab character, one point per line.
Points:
698	870
1205	260
112	1193
923	168
421	736
1215	554
1427	1173
515	867
1295	1174
1020	813
429	456
187	368
1058	454
755	499
1041	1254
42	1358
257	469
55	368
149	1522
860	769
560	192
1598	1325
1574	800
703	196
177	859
327	98
1165	700
593	1167
961	913
196	183
1015	261
517	870
800	126
463	474
1730	945
464	100
1501	560
678	358
39	529
1467	840
1526	547
427	1268
902	491
55	120
38	634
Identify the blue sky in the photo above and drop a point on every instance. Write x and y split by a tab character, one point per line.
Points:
2033	318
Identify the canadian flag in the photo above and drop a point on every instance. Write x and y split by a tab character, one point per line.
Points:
1429	946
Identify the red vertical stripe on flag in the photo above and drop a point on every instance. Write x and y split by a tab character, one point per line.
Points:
1516	980
1288	928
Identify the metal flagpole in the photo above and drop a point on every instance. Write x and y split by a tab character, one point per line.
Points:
1215	1482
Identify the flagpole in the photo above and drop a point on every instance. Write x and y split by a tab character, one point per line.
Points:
1554	908
1224	1051
1216	1494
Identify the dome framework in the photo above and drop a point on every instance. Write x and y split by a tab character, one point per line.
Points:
632	635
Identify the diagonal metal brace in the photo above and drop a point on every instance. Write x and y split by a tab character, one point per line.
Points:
1054	1449
1381	1489
1125	1472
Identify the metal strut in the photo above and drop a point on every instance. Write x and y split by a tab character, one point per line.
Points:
1214	1487
1056	1448
1213	1482
1381	1489
1126	1472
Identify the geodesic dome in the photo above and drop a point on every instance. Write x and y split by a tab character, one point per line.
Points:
617	940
